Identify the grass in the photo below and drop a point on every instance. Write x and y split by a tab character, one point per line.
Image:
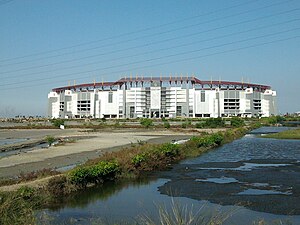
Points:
18	207
178	214
288	134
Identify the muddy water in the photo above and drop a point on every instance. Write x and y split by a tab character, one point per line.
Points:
8	141
247	180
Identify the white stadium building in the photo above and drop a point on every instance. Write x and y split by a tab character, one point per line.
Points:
155	97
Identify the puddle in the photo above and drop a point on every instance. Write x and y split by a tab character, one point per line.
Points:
259	184
24	150
9	141
245	167
253	191
66	168
250	166
222	180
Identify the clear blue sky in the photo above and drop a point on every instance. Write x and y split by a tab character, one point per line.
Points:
45	44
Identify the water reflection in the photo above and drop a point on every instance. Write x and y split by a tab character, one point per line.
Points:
86	197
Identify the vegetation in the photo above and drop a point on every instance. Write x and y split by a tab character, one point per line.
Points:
272	120
179	214
146	122
186	124
83	175
211	123
18	207
288	134
167	124
57	122
50	140
237	122
132	162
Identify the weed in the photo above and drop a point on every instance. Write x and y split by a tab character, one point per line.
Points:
146	122
167	124
50	140
57	122
84	175
56	185
237	122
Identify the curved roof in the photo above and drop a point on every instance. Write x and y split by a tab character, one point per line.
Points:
193	80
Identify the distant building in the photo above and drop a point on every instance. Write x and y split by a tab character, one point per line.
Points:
162	97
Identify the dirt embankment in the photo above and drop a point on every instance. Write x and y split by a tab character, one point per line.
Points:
89	146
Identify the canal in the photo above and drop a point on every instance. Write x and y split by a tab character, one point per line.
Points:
243	182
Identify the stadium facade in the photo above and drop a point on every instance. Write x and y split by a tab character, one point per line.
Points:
155	97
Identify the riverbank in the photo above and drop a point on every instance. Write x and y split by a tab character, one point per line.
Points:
129	163
288	134
88	145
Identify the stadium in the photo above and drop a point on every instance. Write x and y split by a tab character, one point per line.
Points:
157	97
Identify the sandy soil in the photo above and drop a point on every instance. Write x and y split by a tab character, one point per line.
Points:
95	144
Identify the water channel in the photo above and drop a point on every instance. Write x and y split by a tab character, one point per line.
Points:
245	181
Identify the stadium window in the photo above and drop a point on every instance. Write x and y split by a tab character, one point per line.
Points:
110	97
202	96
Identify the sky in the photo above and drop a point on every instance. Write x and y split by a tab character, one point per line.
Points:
46	44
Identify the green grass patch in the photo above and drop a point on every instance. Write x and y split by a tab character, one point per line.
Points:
288	134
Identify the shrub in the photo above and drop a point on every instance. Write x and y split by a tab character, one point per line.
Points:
26	192
237	122
138	159
169	149
167	125
50	140
186	124
117	124
199	125
57	122
79	176
102	171
214	122
208	140
146	122
56	185
217	138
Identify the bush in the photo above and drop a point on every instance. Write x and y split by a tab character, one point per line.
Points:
146	122
169	149
167	125
208	140
186	124
79	176
199	125
138	159
26	192
100	172
56	185
117	124
50	140
214	122
217	138
57	122
237	122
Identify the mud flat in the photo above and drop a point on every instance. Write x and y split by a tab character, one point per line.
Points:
31	137
95	144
